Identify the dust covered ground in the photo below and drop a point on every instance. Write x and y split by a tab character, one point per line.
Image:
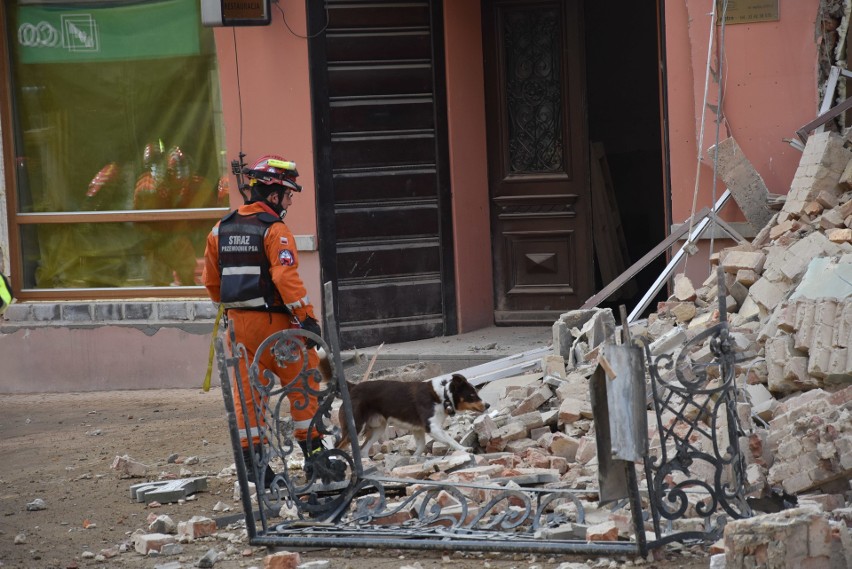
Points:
60	448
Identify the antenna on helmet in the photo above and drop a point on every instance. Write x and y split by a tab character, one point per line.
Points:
238	168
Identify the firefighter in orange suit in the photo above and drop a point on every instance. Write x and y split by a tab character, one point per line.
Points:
252	268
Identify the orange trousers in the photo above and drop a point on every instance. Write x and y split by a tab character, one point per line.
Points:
251	328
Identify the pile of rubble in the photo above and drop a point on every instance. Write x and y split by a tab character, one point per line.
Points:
789	307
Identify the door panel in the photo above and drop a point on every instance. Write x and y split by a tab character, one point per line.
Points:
343	15
402	298
370	186
538	182
399	221
380	79
402	150
377	82
378	47
383	115
389	259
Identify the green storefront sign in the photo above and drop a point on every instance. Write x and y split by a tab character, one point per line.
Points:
67	33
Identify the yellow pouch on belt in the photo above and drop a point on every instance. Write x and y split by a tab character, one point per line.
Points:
6	297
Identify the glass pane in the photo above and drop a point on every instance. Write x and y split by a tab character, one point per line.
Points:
533	90
92	255
116	106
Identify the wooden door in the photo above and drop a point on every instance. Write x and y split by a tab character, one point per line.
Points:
377	79
538	159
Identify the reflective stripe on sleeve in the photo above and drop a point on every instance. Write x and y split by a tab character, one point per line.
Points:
302	424
304	301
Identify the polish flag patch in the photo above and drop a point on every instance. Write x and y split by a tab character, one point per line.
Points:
286	257
284	241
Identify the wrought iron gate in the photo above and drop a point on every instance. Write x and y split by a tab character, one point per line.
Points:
370	509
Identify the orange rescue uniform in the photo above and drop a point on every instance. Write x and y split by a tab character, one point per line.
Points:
252	327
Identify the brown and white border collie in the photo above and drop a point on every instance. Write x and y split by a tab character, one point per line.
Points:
419	406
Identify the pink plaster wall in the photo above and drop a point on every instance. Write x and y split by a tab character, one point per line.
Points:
468	164
103	358
276	112
770	91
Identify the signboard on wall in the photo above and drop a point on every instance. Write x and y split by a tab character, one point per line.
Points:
71	33
235	12
748	11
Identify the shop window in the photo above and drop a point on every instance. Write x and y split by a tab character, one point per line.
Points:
118	147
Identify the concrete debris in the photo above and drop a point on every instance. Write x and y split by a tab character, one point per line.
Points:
317	564
167	491
128	467
810	441
36	505
208	559
161	524
746	185
196	527
146	543
282	560
799	537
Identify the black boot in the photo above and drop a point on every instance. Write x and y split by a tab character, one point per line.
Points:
268	474
309	459
327	469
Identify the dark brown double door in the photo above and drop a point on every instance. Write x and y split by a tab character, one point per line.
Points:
538	159
382	165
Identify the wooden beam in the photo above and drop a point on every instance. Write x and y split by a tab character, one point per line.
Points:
802	133
830	89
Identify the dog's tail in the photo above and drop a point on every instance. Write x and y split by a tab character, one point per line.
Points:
324	368
324	365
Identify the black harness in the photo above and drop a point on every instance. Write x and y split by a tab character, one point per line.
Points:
246	282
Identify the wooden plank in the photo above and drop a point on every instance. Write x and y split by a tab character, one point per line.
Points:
830	89
609	240
615	213
602	225
802	133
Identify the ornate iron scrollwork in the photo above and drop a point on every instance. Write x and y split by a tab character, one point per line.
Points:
369	509
697	470
305	497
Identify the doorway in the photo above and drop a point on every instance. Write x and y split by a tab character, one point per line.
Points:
538	159
572	87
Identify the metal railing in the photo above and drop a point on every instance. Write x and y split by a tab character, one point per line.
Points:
368	508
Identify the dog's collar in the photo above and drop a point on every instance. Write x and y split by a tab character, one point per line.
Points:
449	407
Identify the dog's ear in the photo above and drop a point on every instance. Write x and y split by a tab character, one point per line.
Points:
459	379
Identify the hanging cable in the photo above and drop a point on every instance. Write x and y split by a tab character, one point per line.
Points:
721	79
238	164
306	37
701	129
239	90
